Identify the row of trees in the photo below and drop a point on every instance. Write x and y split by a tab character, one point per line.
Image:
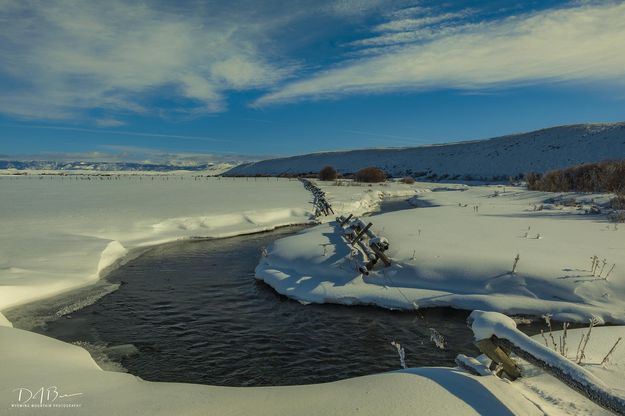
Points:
608	176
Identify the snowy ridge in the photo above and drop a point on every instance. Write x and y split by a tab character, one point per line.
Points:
496	158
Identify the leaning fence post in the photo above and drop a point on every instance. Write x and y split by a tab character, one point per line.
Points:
505	338
499	356
346	220
361	233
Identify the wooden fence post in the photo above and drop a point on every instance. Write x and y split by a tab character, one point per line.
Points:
361	233
597	394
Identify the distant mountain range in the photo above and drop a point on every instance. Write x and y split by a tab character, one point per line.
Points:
38	165
493	159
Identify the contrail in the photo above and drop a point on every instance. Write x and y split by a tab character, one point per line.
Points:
399	139
117	132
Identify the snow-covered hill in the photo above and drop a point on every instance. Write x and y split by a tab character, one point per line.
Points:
496	158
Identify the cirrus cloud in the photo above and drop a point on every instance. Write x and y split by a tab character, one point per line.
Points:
580	44
63	58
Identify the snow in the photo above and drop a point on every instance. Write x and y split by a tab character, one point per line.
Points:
38	167
33	361
4	321
459	251
553	397
487	324
350	197
501	157
58	233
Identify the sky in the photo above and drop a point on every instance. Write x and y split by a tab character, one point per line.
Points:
247	79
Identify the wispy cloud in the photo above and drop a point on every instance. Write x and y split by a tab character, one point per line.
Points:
117	132
404	24
62	57
355	7
109	122
414	24
581	44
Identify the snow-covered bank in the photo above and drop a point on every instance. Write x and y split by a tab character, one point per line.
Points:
348	197
600	370
59	233
554	397
32	362
460	252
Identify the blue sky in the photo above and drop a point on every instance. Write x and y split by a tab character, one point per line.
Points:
156	80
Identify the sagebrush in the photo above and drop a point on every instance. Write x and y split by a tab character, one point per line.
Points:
606	176
370	175
328	173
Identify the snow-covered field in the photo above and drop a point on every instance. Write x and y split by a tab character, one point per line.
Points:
516	154
458	250
58	233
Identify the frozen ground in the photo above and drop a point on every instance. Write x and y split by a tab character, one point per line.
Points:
59	233
449	253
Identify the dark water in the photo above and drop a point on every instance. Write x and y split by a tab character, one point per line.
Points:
195	313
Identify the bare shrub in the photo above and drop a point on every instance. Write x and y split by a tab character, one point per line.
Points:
328	173
409	180
607	176
617	216
370	175
618	202
532	180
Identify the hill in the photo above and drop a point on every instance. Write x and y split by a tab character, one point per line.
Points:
493	159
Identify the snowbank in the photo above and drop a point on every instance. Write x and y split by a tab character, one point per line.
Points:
459	251
348	197
487	324
58	233
31	361
555	398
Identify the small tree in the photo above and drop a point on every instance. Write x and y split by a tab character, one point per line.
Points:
409	180
328	174
370	175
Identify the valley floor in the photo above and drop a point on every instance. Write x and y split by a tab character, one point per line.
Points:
60	235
